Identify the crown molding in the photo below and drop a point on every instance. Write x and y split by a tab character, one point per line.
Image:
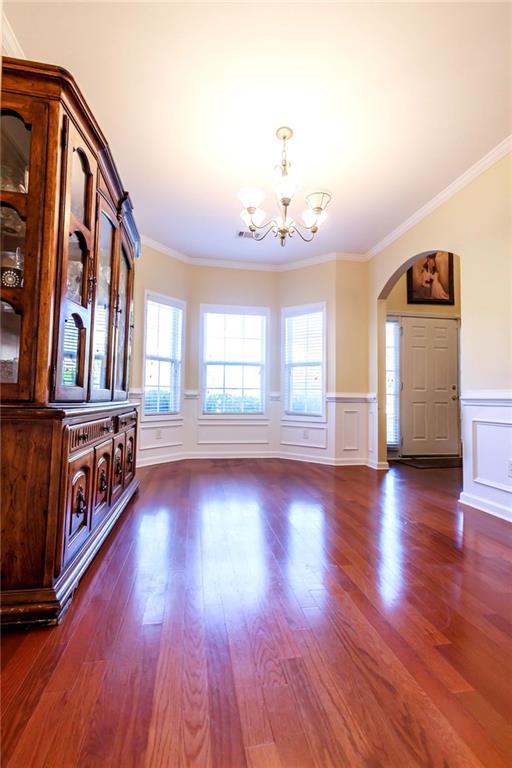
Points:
250	265
10	43
502	149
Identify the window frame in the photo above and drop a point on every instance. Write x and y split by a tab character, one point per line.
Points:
395	450
294	311
232	309
161	298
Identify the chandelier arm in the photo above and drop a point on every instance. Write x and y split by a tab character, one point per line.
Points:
262	226
296	228
262	236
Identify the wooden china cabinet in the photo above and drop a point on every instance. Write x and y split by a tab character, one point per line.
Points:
69	432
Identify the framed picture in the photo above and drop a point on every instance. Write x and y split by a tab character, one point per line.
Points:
430	279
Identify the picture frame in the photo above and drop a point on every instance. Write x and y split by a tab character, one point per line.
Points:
430	279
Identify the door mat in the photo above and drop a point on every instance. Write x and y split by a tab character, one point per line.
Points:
433	462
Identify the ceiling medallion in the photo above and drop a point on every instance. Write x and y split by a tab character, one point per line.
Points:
285	187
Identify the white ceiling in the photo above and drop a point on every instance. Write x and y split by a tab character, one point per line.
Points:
389	104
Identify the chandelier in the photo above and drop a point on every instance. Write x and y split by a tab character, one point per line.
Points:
285	187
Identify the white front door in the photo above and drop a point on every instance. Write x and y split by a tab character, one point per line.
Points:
429	398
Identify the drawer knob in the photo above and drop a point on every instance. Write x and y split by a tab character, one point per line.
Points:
108	428
102	485
82	437
81	505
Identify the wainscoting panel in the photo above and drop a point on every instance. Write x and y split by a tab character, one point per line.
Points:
487	448
342	437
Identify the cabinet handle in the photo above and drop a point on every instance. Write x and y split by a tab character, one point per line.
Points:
102	485
129	456
81	505
119	466
108	428
82	436
91	281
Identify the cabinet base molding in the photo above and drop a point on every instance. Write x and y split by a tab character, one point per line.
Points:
48	606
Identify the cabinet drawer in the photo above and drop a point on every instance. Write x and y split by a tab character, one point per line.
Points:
129	462
78	503
83	434
102	481
118	465
127	420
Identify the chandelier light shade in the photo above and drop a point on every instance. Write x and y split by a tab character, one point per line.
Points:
285	187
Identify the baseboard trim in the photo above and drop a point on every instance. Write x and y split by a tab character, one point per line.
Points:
484	505
148	461
380	465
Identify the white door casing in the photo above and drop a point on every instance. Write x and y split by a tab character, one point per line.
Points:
430	387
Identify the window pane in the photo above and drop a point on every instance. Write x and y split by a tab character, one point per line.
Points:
214	376
392	384
253	326
233	325
215	349
252	351
233	339
234	376
215	325
163	357
252	377
304	359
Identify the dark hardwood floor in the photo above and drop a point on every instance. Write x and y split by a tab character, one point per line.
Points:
273	614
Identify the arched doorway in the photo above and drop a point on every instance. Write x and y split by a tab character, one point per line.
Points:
418	313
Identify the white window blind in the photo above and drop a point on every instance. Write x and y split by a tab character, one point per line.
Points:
393	384
304	362
162	365
234	362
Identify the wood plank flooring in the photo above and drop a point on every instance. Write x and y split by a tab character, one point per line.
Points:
273	614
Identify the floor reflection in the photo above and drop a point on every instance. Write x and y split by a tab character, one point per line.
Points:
390	543
233	550
305	542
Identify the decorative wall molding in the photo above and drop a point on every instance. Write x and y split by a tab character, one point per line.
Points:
258	266
502	149
487	442
485	505
350	397
478	472
490	397
10	43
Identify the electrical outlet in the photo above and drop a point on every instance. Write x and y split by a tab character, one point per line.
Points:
158	434
305	434
509	467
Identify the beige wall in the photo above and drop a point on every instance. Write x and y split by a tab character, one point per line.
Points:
308	286
213	285
351	326
476	224
397	299
154	271
342	285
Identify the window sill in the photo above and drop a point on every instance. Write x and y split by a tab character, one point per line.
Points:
293	418
152	418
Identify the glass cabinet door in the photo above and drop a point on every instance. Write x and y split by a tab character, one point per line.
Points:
101	357
23	151
77	268
124	322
